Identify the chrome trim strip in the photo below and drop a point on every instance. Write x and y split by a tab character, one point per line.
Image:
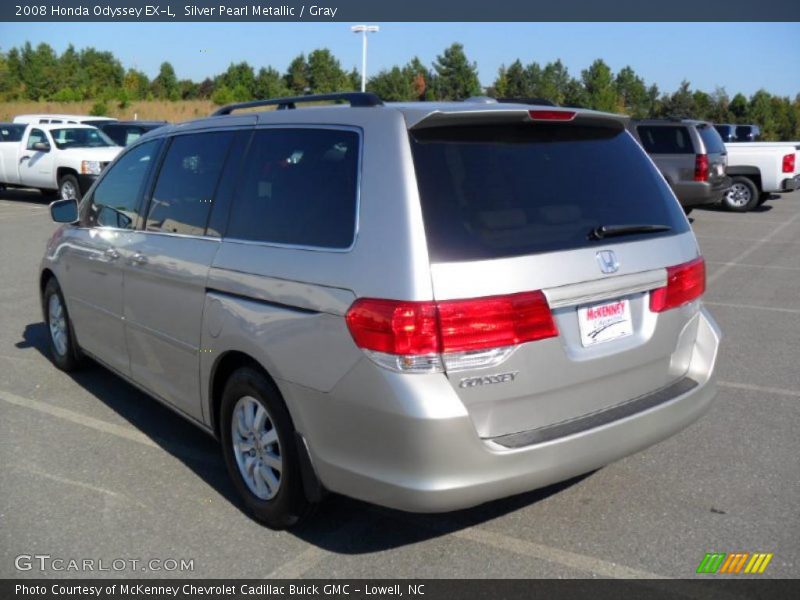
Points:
585	292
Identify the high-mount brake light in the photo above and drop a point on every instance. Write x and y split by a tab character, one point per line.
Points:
451	334
685	282
552	115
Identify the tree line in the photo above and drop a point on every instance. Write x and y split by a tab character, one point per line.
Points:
39	73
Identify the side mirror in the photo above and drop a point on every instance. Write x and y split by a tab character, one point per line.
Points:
41	147
64	211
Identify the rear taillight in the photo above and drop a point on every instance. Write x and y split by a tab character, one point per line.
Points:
552	115
788	163
701	167
685	283
452	334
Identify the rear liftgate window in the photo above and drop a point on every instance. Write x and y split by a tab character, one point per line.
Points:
508	190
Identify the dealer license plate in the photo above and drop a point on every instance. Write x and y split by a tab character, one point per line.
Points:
604	322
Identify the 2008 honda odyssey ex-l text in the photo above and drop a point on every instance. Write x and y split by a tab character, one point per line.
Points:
426	306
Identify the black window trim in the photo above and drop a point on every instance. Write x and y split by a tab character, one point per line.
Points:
147	197
359	167
86	201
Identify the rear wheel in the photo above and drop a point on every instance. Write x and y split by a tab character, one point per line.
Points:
742	196
260	452
68	188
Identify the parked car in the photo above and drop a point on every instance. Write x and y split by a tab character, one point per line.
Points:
690	155
126	132
44	119
410	304
727	132
760	169
65	158
11	132
747	133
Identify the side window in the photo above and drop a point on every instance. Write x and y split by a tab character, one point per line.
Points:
36	136
661	139
115	201
189	174
298	187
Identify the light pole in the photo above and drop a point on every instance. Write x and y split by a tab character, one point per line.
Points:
364	30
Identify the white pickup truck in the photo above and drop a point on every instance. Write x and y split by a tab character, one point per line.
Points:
56	158
759	169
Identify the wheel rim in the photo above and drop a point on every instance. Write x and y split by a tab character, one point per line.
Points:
256	447
57	321
739	194
68	191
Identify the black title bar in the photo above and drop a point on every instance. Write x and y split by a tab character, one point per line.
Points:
400	10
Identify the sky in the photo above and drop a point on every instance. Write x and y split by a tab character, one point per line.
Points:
741	57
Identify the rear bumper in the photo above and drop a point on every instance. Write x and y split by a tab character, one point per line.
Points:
699	193
790	184
418	452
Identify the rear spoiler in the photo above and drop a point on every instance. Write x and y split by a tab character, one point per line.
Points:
443	118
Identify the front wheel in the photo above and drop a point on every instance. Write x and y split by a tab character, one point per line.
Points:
68	188
260	452
64	350
742	196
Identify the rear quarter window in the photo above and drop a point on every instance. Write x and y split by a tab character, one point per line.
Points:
711	139
665	139
509	190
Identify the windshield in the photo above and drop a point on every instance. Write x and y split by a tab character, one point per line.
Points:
80	137
506	190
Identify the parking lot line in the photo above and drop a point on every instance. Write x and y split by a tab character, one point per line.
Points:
752	307
748	251
127	433
749	265
759	388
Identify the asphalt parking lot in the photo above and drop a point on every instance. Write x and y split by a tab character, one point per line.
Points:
92	468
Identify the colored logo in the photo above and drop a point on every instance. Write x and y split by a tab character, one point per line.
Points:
734	563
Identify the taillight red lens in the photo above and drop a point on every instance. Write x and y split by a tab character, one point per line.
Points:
788	163
685	283
701	167
552	115
417	328
394	327
495	321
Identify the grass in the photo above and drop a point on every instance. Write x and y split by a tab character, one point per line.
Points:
159	110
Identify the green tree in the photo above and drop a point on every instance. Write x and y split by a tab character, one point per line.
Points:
241	76
554	82
760	112
719	106
680	104
632	93
703	105
392	84
297	76
269	84
136	84
222	95
600	89
165	84
738	108
325	73
456	77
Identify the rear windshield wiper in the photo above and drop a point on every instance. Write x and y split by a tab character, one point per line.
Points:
603	231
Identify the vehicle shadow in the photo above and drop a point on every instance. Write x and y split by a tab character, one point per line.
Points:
340	525
25	196
718	208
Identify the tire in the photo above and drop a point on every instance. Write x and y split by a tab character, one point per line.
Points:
742	196
273	491
68	188
64	350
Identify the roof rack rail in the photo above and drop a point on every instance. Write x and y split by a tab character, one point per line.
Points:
538	101
356	100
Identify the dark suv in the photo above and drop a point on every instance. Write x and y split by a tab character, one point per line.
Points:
747	133
727	132
690	155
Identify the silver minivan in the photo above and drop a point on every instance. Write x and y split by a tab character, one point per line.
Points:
425	306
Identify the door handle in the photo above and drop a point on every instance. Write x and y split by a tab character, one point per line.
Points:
24	158
111	254
138	259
